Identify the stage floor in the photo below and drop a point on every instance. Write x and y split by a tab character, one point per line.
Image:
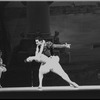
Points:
50	88
51	92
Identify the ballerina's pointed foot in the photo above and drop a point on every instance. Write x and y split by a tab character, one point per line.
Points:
40	87
74	85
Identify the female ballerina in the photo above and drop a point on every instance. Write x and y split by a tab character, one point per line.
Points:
49	63
2	66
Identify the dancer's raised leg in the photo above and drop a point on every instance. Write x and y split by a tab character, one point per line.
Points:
58	70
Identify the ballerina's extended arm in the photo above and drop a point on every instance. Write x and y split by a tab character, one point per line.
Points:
31	58
37	50
37	53
42	47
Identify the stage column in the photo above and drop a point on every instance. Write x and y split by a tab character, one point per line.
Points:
38	17
38	21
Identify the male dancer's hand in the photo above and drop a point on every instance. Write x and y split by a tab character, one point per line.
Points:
67	45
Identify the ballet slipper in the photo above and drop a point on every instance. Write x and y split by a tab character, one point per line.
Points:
74	85
40	87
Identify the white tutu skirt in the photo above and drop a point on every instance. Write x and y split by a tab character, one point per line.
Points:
55	58
51	63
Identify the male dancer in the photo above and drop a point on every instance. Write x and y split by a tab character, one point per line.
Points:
49	62
2	66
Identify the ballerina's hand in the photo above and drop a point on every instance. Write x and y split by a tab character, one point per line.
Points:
43	42
4	69
29	59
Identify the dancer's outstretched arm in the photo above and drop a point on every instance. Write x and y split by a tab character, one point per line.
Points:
31	58
61	45
58	45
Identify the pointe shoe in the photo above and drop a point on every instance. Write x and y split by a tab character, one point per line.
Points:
40	87
74	85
